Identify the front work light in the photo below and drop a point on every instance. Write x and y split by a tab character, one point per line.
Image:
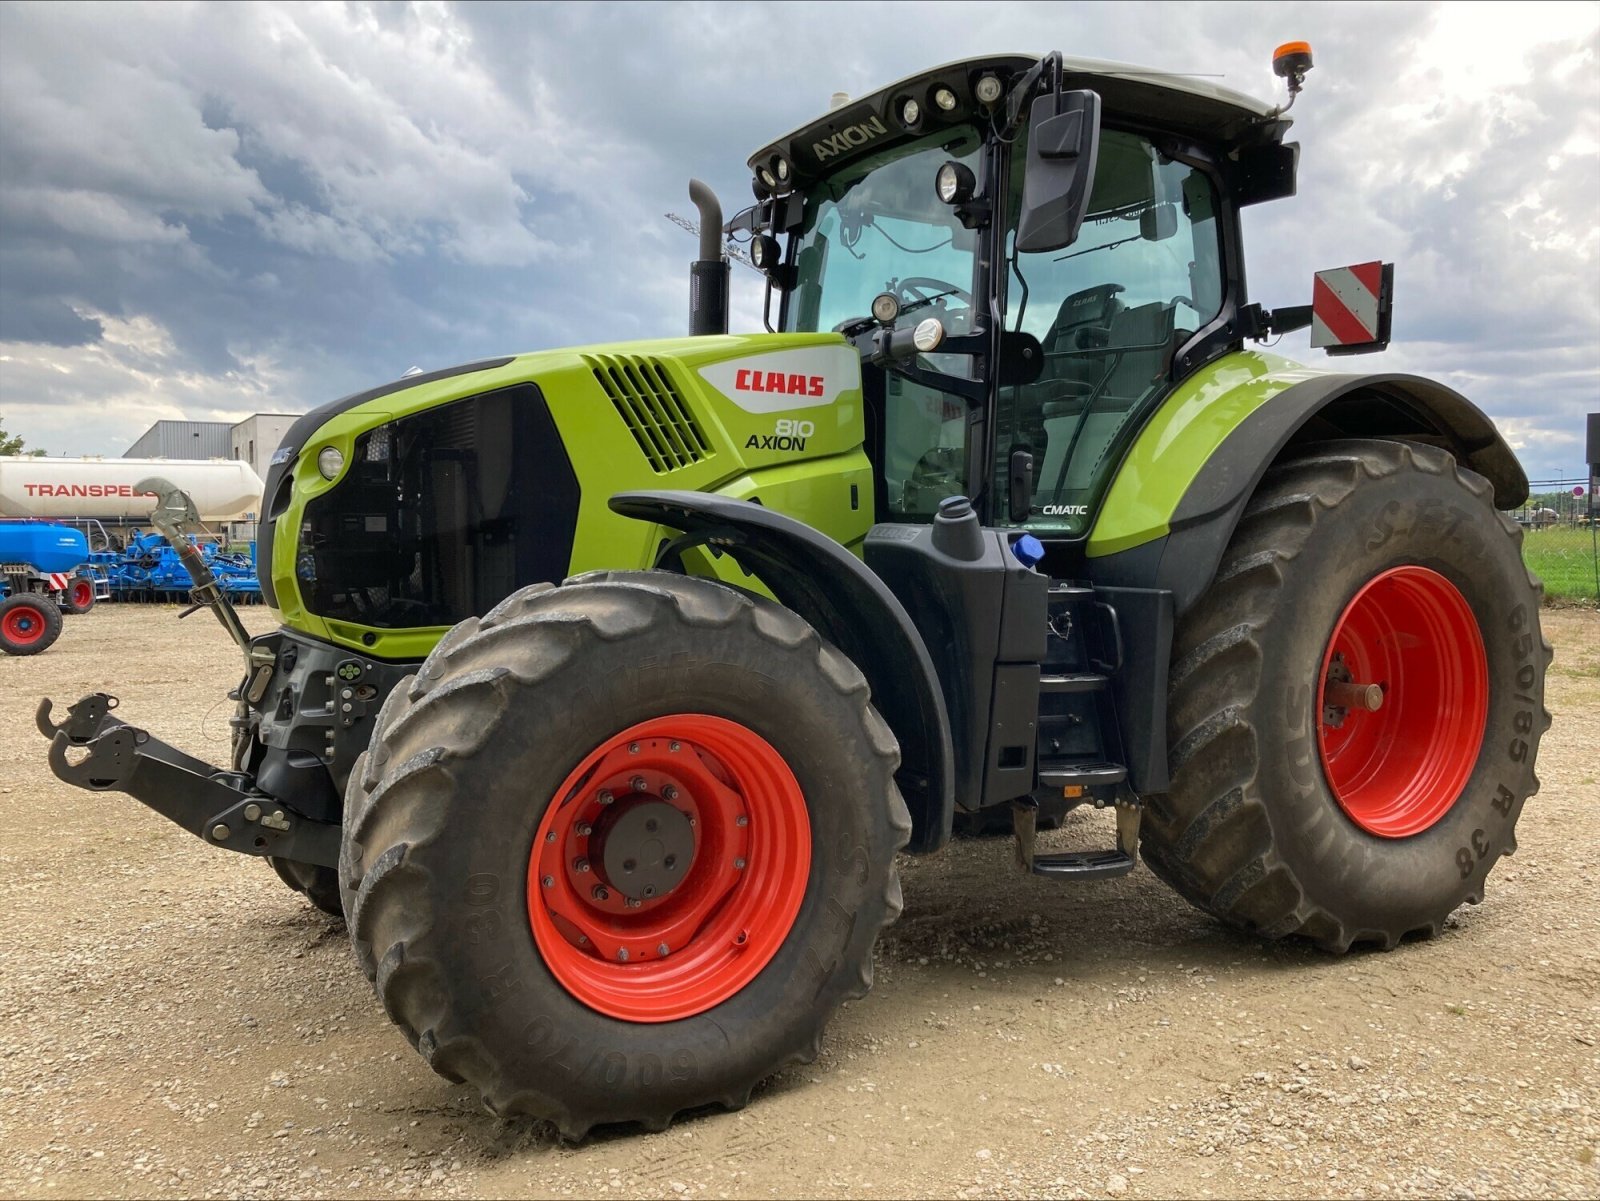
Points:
330	461
988	89
910	112
885	308
765	252
945	99
955	183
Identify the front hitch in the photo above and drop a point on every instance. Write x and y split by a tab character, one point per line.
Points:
95	751
84	720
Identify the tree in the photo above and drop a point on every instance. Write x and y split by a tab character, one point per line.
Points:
12	444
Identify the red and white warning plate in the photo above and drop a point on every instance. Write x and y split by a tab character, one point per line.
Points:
1347	308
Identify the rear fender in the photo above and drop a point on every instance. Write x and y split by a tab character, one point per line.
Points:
1183	557
855	611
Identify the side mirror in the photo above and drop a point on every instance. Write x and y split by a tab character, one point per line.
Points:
1063	144
1158	222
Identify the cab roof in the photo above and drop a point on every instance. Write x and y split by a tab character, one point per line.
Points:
1197	108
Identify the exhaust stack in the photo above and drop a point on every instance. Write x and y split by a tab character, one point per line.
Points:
708	275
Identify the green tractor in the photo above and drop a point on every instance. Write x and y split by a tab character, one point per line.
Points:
1000	514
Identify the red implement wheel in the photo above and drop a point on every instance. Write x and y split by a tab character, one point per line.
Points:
28	624
80	595
670	869
1356	701
1398	762
622	847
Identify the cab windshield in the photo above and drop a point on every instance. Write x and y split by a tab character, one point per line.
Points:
878	226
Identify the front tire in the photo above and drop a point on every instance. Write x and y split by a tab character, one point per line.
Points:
1293	809
513	902
317	884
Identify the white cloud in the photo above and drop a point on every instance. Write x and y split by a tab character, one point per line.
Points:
308	197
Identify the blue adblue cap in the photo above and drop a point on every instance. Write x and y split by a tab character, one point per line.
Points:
1028	549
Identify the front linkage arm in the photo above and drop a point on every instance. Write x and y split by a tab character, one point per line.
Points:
211	804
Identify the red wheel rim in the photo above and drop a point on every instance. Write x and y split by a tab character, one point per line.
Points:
1398	770
82	594
24	625
726	799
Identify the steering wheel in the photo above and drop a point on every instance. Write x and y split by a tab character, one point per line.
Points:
924	290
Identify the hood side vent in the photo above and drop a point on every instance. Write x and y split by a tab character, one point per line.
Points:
652	408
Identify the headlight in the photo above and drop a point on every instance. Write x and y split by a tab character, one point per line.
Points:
988	89
330	461
928	335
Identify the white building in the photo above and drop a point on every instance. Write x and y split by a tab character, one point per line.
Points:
255	438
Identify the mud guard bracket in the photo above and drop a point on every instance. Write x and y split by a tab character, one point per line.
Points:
854	610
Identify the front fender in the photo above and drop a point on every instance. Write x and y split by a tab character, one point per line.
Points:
854	610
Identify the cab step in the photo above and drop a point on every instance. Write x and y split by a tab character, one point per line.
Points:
1083	865
1077	681
1084	775
1078	865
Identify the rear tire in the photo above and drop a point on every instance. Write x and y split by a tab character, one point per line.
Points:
482	766
1267	824
79	596
29	624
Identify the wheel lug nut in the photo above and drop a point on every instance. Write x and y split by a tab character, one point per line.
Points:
580	865
738	865
661	949
649	890
632	903
669	793
672	746
741	820
548	881
550	837
600	893
633	748
638	784
605	797
622	954
584	830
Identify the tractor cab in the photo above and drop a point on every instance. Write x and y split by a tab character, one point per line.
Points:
1063	233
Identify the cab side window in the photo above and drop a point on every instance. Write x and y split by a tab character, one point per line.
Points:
1109	312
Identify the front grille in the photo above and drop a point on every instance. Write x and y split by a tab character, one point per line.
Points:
652	408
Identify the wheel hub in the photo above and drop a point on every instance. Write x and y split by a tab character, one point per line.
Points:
669	868
645	850
1398	750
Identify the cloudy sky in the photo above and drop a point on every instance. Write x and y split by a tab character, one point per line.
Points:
209	210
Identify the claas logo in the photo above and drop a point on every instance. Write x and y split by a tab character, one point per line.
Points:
776	381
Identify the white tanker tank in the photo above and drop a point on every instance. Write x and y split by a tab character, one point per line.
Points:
222	489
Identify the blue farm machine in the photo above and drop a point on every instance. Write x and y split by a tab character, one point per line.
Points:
44	572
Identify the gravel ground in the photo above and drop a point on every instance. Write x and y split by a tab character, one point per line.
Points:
174	1022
